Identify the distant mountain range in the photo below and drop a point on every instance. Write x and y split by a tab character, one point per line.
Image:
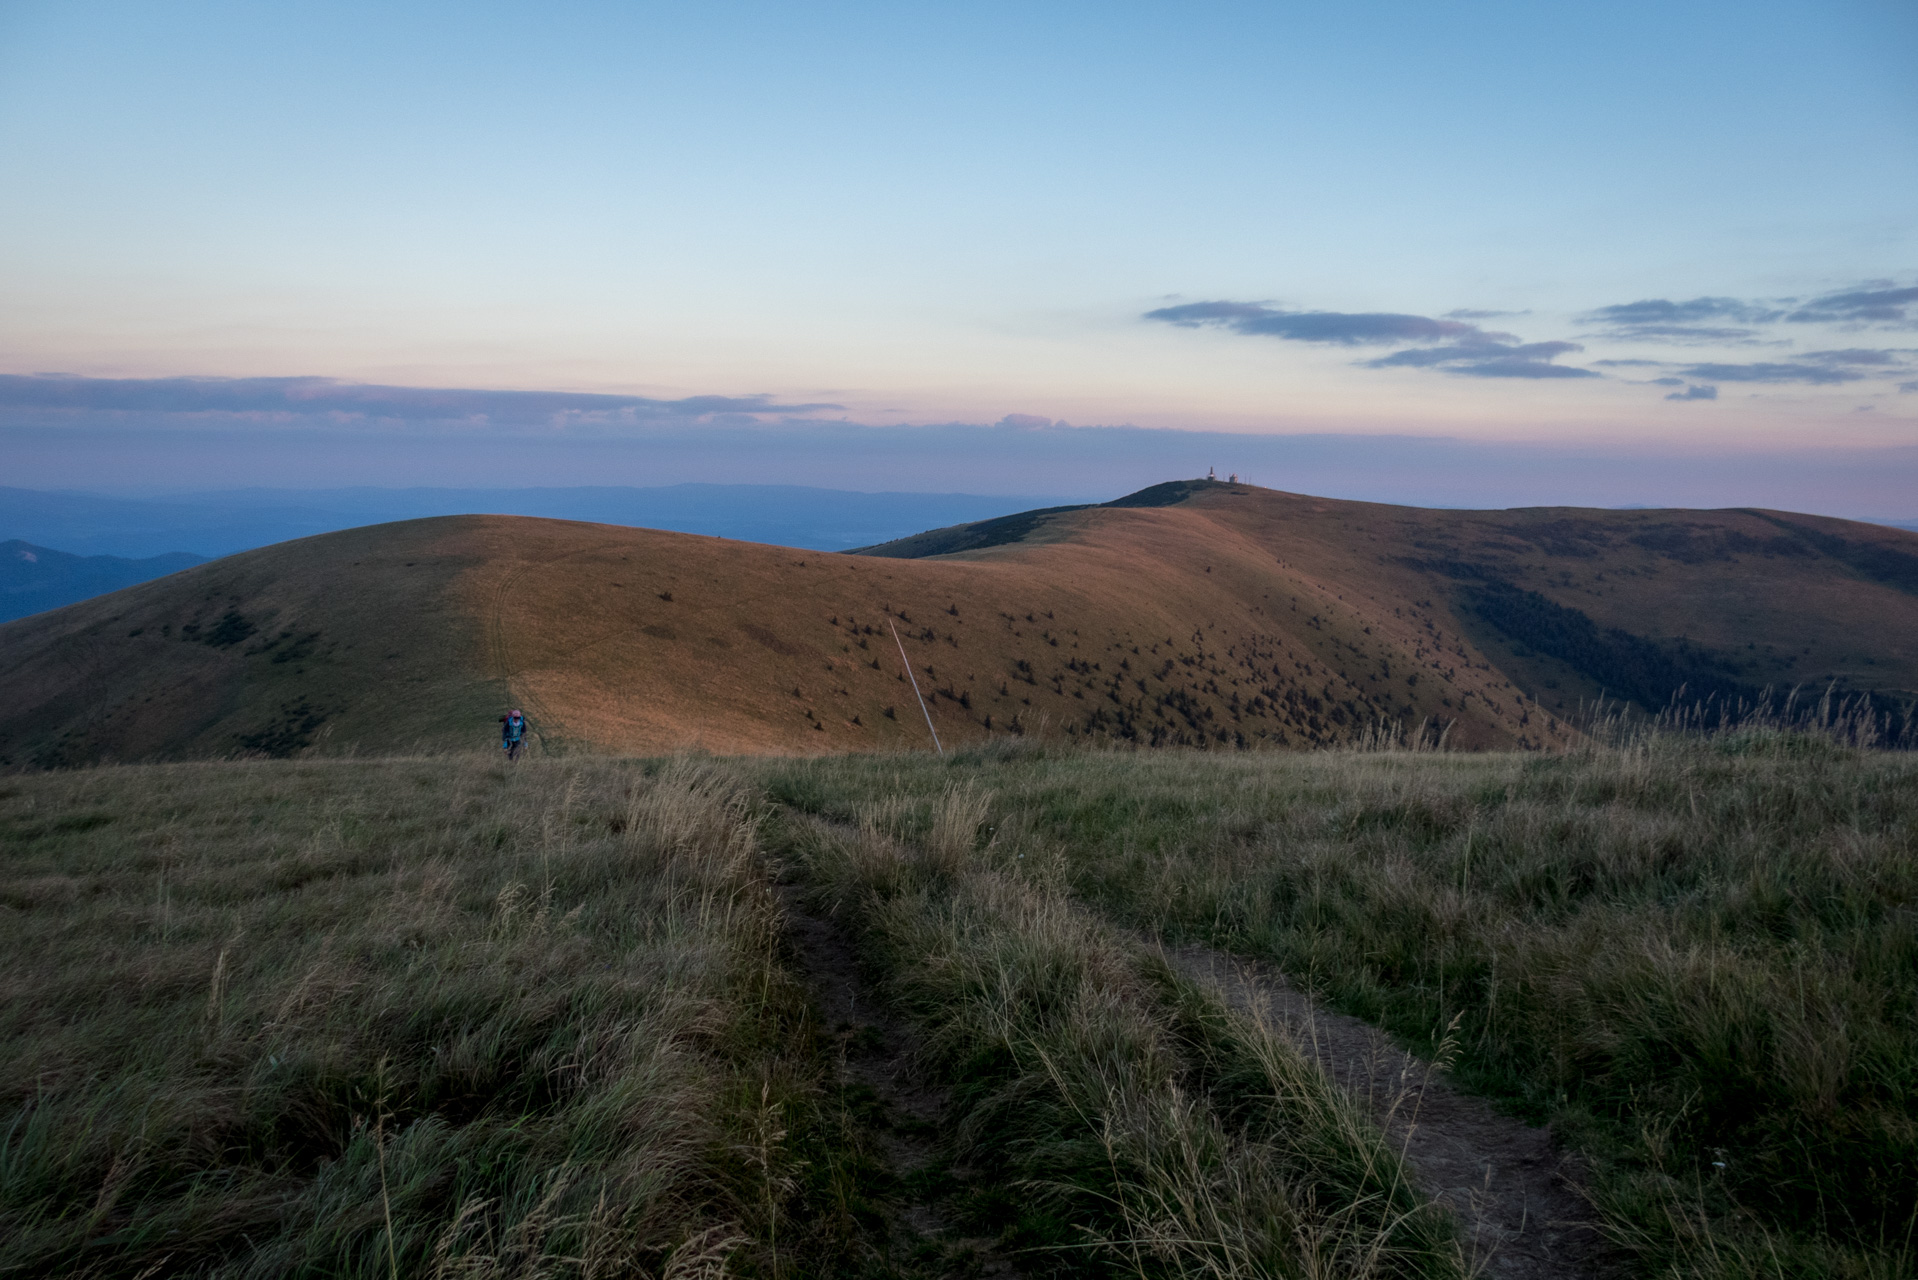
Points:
34	579
221	523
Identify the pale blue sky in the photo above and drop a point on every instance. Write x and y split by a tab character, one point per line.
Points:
953	213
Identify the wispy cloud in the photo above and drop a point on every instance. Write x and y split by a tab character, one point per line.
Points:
1774	371
1343	328
1878	305
1698	319
1462	348
1816	368
1491	360
1692	392
1692	321
1813	368
330	398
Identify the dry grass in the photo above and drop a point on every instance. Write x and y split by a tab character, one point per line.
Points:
1698	959
445	1017
1136	1125
351	642
406	1017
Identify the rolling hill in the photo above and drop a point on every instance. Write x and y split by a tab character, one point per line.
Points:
1191	613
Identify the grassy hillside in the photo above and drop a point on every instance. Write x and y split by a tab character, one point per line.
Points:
1571	602
1195	614
349	641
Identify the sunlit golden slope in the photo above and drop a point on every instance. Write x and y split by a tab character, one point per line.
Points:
1198	614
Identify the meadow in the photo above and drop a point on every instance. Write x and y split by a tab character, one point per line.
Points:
437	1016
1696	959
398	1018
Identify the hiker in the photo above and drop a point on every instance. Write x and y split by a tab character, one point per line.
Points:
513	733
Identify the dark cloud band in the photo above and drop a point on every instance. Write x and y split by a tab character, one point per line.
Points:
328	397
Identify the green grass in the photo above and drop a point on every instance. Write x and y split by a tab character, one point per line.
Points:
445	1017
1697	959
1132	1123
406	1017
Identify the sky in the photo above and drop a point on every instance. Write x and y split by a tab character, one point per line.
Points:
1500	251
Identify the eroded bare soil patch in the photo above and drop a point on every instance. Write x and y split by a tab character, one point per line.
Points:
1515	1192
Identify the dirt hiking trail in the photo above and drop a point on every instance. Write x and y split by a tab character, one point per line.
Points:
1516	1195
875	1051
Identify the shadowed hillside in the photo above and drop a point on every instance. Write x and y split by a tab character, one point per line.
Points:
1187	614
348	640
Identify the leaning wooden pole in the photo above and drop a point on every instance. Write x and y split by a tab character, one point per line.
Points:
915	686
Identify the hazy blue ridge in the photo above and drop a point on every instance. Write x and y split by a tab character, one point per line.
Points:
221	523
34	579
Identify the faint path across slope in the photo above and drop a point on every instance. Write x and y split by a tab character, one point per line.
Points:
501	649
499	643
874	1050
1515	1193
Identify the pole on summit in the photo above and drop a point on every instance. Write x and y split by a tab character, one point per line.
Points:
915	686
